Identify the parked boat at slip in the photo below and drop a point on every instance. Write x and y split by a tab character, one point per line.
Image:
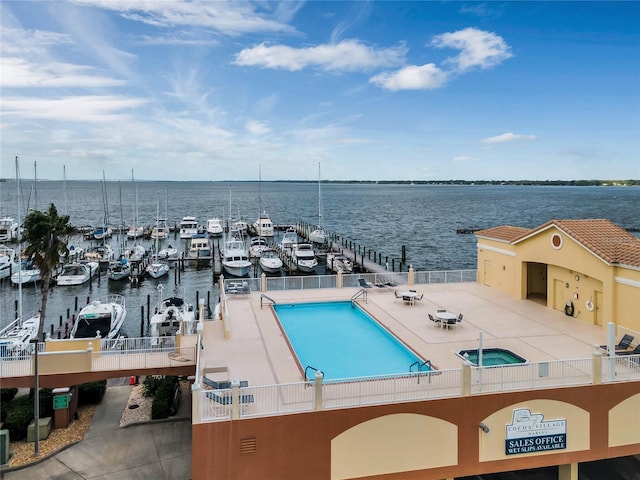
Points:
214	227
8	229
119	270
160	231
172	315
27	274
270	261
102	253
289	239
199	246
135	232
15	337
8	262
77	273
263	226
103	319
168	252
188	227
318	235
235	255
157	268
257	246
305	257
135	252
337	262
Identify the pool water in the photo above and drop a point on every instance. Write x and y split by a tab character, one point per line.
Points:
493	356
343	341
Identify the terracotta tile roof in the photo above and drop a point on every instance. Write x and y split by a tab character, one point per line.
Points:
603	237
505	233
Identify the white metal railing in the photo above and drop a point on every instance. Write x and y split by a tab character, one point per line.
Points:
156	358
300	397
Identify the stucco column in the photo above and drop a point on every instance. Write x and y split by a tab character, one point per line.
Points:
263	283
465	389
597	367
235	399
568	471
339	280
410	278
196	398
318	391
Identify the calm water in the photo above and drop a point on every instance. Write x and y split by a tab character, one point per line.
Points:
384	218
357	346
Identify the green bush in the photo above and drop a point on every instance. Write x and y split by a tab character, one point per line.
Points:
18	416
7	394
151	384
161	406
46	401
91	393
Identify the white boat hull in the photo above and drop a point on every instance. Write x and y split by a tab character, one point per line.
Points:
157	269
237	269
101	318
77	274
26	276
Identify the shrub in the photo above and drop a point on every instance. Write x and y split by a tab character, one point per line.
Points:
46	401
151	384
161	406
7	394
19	415
91	392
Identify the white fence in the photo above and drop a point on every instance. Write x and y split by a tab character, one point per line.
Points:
266	400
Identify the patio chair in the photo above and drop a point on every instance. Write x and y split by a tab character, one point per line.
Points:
363	283
433	319
420	297
623	344
441	310
453	323
395	292
635	351
459	318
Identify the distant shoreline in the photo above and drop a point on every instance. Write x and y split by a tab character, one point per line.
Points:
567	183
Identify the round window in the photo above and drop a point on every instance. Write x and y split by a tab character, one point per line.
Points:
556	241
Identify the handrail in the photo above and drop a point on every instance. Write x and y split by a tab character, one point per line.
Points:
262	296
360	293
420	365
309	367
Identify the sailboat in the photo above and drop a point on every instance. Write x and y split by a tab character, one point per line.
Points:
15	337
319	235
157	268
135	252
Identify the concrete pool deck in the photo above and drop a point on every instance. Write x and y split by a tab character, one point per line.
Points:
257	351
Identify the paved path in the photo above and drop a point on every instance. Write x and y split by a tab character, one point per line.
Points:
161	451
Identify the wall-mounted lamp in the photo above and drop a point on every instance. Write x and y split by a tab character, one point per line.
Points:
577	277
483	427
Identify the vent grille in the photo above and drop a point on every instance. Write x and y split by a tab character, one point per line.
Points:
247	445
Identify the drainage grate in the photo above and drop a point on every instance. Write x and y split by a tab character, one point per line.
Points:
247	445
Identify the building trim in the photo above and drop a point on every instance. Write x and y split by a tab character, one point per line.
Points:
496	250
628	281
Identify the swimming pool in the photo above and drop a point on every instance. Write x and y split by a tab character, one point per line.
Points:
343	341
492	356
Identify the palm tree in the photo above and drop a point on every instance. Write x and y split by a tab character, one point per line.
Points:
46	234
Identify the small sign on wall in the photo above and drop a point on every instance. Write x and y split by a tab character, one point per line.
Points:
529	433
60	402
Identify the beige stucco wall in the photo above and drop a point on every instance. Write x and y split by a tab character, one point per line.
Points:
68	362
600	293
492	444
624	422
393	443
76	344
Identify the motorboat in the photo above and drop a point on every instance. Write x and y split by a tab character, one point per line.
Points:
270	261
77	273
289	239
15	337
188	227
214	227
235	256
135	231
239	226
160	231
157	268
101	233
101	319
8	229
27	274
305	257
263	226
8	262
119	269
172	315
168	252
337	262
257	246
74	254
101	253
199	246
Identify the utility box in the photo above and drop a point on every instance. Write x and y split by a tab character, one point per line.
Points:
44	428
4	446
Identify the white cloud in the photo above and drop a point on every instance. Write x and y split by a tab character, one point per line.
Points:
478	48
413	77
462	158
257	128
228	18
348	55
509	137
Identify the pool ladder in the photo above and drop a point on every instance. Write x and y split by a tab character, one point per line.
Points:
309	367
420	364
263	296
361	293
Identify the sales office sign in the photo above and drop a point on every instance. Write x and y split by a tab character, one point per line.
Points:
529	433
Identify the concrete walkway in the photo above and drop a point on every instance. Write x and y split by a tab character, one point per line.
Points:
154	450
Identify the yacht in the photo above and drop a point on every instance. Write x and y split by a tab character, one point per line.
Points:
214	227
305	257
270	261
258	245
172	315
337	262
77	273
15	337
160	231
101	253
135	232
157	268
168	252
289	239
235	256
8	229
188	227
135	252
102	319
199	246
119	269
27	274
263	226
8	262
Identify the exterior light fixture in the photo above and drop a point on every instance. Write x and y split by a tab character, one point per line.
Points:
483	427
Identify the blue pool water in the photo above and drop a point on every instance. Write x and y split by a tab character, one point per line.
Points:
343	341
492	356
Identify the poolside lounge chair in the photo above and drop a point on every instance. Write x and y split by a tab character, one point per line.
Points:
635	351
623	344
363	283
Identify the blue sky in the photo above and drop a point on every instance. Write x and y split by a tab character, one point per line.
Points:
207	90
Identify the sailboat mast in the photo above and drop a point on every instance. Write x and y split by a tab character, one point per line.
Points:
19	238
319	200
